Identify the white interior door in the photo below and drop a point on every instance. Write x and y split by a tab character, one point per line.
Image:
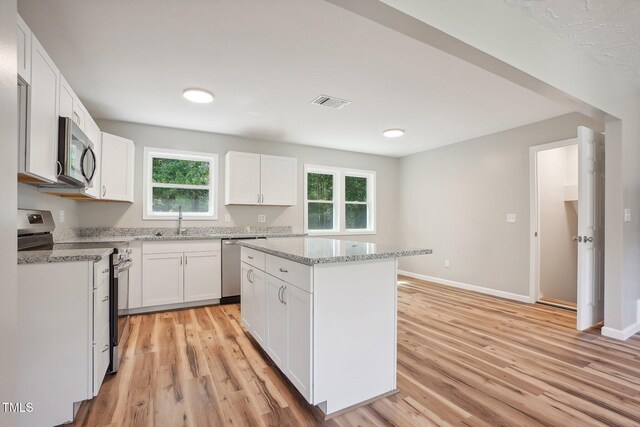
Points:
590	228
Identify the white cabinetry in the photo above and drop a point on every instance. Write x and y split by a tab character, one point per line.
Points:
299	310
258	179
63	311
254	309
202	274
41	140
24	50
331	327
70	105
278	313
162	279
176	272
276	321
242	178
118	157
100	323
246	297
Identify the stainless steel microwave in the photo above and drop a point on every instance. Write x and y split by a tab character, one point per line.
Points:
76	155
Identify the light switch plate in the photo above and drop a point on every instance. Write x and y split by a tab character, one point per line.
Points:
511	217
627	215
227	217
262	218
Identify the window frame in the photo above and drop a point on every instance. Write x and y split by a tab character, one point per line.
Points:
339	193
148	185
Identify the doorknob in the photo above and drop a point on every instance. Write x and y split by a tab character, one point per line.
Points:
587	239
577	238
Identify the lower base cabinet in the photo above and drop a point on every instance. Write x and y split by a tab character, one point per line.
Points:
177	272
330	327
276	321
299	312
279	316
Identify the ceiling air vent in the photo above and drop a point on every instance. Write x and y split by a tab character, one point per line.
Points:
330	101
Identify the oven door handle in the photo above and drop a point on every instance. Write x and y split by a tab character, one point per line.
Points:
123	266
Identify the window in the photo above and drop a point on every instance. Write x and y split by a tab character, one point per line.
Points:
339	200
175	180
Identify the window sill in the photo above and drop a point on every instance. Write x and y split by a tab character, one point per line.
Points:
175	218
340	233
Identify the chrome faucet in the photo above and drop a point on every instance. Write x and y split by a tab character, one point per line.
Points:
180	220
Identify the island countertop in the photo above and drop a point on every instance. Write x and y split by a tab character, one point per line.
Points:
321	250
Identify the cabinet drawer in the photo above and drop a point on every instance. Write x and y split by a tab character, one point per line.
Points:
100	310
296	274
100	359
173	246
253	258
101	272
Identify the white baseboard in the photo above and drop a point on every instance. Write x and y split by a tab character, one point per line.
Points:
621	334
468	287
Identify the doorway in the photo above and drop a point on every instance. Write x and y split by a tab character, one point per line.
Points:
567	225
557	185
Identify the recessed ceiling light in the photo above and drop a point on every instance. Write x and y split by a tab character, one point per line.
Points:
393	133
199	96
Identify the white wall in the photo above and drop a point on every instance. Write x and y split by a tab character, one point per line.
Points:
8	172
455	200
558	218
130	215
30	198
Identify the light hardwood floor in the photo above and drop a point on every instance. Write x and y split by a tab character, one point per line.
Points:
463	359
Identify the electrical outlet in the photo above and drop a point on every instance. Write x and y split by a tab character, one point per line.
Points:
227	217
262	218
447	263
511	217
61	216
627	215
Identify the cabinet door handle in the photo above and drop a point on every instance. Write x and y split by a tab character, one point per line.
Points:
104	190
283	270
105	298
284	289
250	257
258	198
106	347
181	260
250	275
186	260
280	294
106	270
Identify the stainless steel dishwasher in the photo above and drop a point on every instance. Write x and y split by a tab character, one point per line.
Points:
231	269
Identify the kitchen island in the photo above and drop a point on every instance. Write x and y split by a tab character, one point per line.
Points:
325	312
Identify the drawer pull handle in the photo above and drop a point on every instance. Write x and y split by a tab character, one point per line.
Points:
250	257
105	298
283	270
106	270
106	347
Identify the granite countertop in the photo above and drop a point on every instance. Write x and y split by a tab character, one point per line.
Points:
163	237
320	250
63	255
119	237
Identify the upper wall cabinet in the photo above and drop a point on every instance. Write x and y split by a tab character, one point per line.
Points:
24	51
259	179
118	159
39	144
71	106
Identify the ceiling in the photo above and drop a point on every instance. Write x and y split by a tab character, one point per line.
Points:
265	61
608	31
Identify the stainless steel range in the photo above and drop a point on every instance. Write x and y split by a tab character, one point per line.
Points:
35	233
